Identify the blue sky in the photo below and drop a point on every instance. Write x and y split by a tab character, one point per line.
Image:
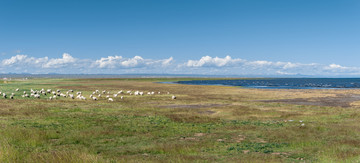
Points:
260	37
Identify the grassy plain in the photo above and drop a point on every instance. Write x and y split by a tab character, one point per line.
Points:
204	124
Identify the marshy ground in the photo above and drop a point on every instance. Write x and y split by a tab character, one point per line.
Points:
204	124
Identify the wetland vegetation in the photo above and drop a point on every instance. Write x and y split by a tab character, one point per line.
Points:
203	124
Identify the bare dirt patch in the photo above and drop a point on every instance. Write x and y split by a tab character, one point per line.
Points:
340	100
193	106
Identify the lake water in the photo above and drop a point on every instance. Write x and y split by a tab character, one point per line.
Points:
284	83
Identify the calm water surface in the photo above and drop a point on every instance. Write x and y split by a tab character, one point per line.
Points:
284	83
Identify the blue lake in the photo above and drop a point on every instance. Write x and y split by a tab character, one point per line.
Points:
284	83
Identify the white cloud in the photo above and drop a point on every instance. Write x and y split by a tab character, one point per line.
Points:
335	66
114	62
239	66
108	62
137	61
24	60
137	64
208	61
60	62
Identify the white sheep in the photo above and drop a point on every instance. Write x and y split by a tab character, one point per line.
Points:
17	89
173	97
115	95
122	97
94	98
110	99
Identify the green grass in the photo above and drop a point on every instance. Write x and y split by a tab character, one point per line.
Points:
154	129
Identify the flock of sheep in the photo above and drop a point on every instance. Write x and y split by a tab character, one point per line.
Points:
79	95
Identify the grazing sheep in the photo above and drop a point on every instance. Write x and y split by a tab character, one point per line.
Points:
48	91
99	95
58	90
97	91
24	92
104	91
4	95
17	89
78	93
110	99
91	96
71	96
107	96
129	92
26	95
136	93
173	97
115	95
122	97
50	98
11	97
120	92
141	93
94	93
37	96
94	98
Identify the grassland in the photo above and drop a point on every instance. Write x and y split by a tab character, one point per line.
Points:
204	124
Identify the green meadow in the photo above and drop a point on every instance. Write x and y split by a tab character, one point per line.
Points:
203	123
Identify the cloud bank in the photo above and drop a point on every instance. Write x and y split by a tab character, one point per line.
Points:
205	65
